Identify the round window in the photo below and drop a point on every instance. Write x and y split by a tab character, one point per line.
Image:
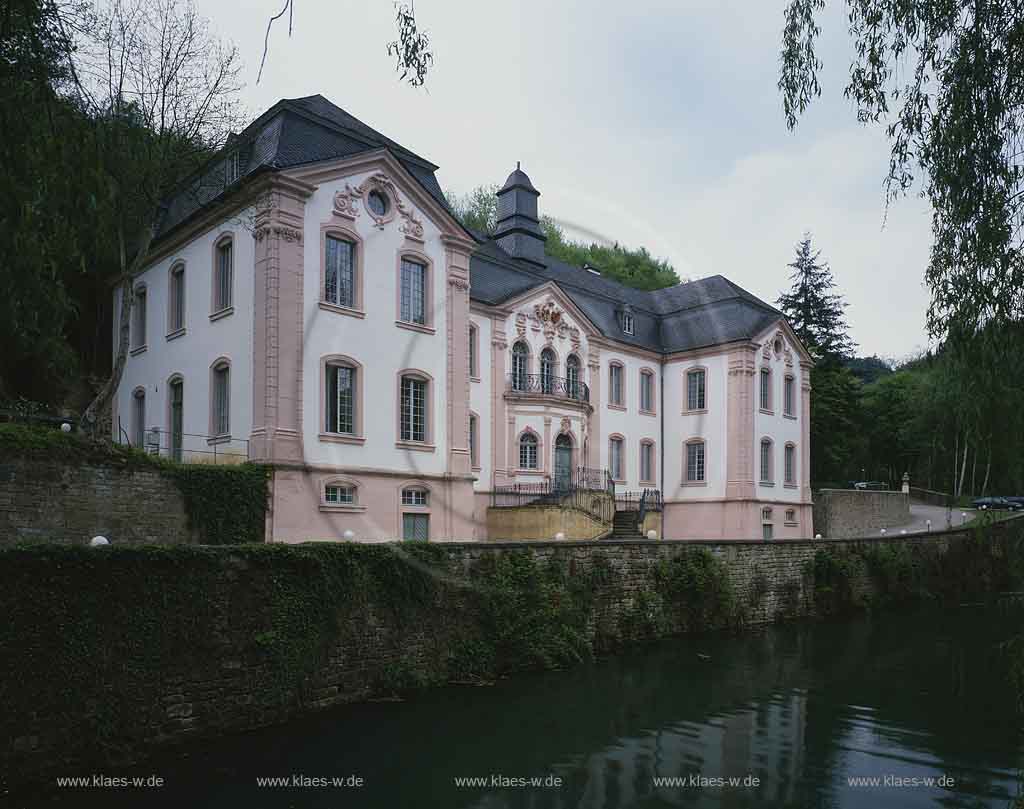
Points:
378	203
778	346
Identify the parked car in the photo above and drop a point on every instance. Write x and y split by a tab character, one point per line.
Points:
871	485
1016	499
1001	503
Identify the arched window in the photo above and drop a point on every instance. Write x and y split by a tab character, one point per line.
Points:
176	416
415	501
789	472
767	472
547	370
414	291
696	461
646	391
572	377
339	271
139	417
474	370
520	366
176	300
138	314
220	398
340	493
616	459
341	400
696	389
414	408
528	454
474	441
616	392
223	274
647	461
766	390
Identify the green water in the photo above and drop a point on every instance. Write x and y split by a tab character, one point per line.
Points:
801	709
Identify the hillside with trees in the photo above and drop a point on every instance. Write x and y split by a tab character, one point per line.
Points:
635	268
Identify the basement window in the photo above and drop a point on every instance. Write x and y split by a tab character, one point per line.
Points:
340	495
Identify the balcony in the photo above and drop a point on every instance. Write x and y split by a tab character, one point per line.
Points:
545	385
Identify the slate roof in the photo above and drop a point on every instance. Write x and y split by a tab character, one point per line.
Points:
300	131
294	132
697	314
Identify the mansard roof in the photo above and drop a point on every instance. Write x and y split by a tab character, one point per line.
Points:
697	314
294	132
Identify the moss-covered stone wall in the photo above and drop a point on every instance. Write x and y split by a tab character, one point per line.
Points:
108	653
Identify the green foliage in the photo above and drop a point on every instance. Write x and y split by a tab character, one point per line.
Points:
478	210
697	587
895	574
833	573
943	80
225	504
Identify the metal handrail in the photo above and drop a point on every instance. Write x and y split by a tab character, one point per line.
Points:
548	385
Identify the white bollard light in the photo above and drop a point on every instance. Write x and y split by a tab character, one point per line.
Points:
98	542
928	525
903	531
817	536
652	534
559	536
883	530
65	427
348	535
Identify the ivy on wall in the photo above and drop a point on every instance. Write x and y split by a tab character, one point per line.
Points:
225	504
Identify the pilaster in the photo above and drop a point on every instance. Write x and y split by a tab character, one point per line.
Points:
594	418
278	320
740	425
499	442
805	431
457	252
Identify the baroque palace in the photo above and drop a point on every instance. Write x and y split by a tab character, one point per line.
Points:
312	303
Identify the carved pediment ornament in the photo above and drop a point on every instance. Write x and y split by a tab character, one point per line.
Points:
566	425
548	316
345	202
521	324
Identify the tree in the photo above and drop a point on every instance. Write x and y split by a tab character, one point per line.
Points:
812	309
478	210
413	57
160	94
945	81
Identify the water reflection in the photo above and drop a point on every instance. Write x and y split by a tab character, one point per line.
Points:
800	709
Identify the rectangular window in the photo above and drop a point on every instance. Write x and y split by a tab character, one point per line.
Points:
139	316
790	457
791	515
627	323
231	168
766	462
615	459
787	397
647	392
177	299
416	527
766	389
414	409
695	468
340	495
615	384
646	462
767	530
528	453
224	277
414	497
221	401
339	272
696	390
414	307
341	399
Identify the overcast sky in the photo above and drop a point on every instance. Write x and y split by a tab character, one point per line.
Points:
653	123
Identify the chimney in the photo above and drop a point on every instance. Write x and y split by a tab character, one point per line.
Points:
518	229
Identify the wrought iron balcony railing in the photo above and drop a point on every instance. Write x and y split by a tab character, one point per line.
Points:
548	385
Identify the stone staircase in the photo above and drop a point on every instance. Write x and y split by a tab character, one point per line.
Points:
625	525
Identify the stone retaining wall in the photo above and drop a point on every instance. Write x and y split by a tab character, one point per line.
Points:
845	513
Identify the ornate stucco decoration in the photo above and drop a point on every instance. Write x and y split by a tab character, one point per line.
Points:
411	225
565	425
548	316
460	284
521	324
345	202
286	233
574	337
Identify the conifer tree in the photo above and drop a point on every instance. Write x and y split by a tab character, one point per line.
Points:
815	312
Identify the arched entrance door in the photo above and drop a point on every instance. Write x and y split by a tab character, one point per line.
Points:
563	462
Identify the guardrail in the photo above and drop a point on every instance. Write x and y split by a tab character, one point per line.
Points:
547	385
190	447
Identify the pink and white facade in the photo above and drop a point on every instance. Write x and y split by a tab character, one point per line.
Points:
395	368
